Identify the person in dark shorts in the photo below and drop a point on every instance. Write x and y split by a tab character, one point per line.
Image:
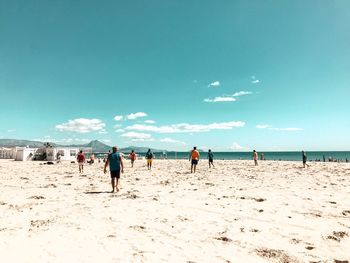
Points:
211	158
194	158
304	159
116	166
81	161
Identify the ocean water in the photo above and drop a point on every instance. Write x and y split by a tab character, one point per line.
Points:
283	156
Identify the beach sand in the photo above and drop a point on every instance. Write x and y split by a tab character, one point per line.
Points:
276	212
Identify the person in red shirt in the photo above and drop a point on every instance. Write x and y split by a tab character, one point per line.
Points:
81	160
132	157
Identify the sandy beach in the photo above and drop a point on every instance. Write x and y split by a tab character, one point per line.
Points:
276	212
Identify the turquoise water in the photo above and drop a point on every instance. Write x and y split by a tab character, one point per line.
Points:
285	156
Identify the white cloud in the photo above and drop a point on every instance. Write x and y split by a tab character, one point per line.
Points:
214	84
133	116
269	127
241	93
11	130
255	80
236	147
119	130
106	140
150	121
103	132
82	126
136	135
169	140
262	126
228	98
118	117
187	128
220	99
143	140
117	126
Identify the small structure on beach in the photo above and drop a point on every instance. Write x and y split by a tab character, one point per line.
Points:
24	153
7	153
49	153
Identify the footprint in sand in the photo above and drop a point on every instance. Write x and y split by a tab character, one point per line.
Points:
225	239
50	186
346	213
274	254
337	235
36	224
36	197
138	228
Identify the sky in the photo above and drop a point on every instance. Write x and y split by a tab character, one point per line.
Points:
226	75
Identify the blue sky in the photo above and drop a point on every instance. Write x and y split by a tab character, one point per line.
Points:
226	75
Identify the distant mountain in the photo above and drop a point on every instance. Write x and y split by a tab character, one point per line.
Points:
96	146
22	143
139	149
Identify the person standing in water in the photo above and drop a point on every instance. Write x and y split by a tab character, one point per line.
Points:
149	158
115	162
194	158
255	158
211	158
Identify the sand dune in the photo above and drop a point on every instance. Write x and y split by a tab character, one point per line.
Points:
276	212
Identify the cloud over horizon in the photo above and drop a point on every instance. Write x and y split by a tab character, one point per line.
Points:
187	128
228	98
133	116
82	125
136	135
220	99
169	140
269	127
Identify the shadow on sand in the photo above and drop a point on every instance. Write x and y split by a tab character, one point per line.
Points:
97	192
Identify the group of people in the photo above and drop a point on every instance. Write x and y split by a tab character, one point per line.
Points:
115	163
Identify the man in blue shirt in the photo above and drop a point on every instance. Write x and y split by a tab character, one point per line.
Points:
116	166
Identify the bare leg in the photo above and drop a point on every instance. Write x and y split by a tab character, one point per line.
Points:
116	184
112	182
194	168
191	168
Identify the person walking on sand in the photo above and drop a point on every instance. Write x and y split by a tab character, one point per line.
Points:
132	157
115	162
149	158
194	158
211	158
81	160
304	159
255	158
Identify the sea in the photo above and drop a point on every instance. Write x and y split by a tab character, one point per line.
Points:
341	156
